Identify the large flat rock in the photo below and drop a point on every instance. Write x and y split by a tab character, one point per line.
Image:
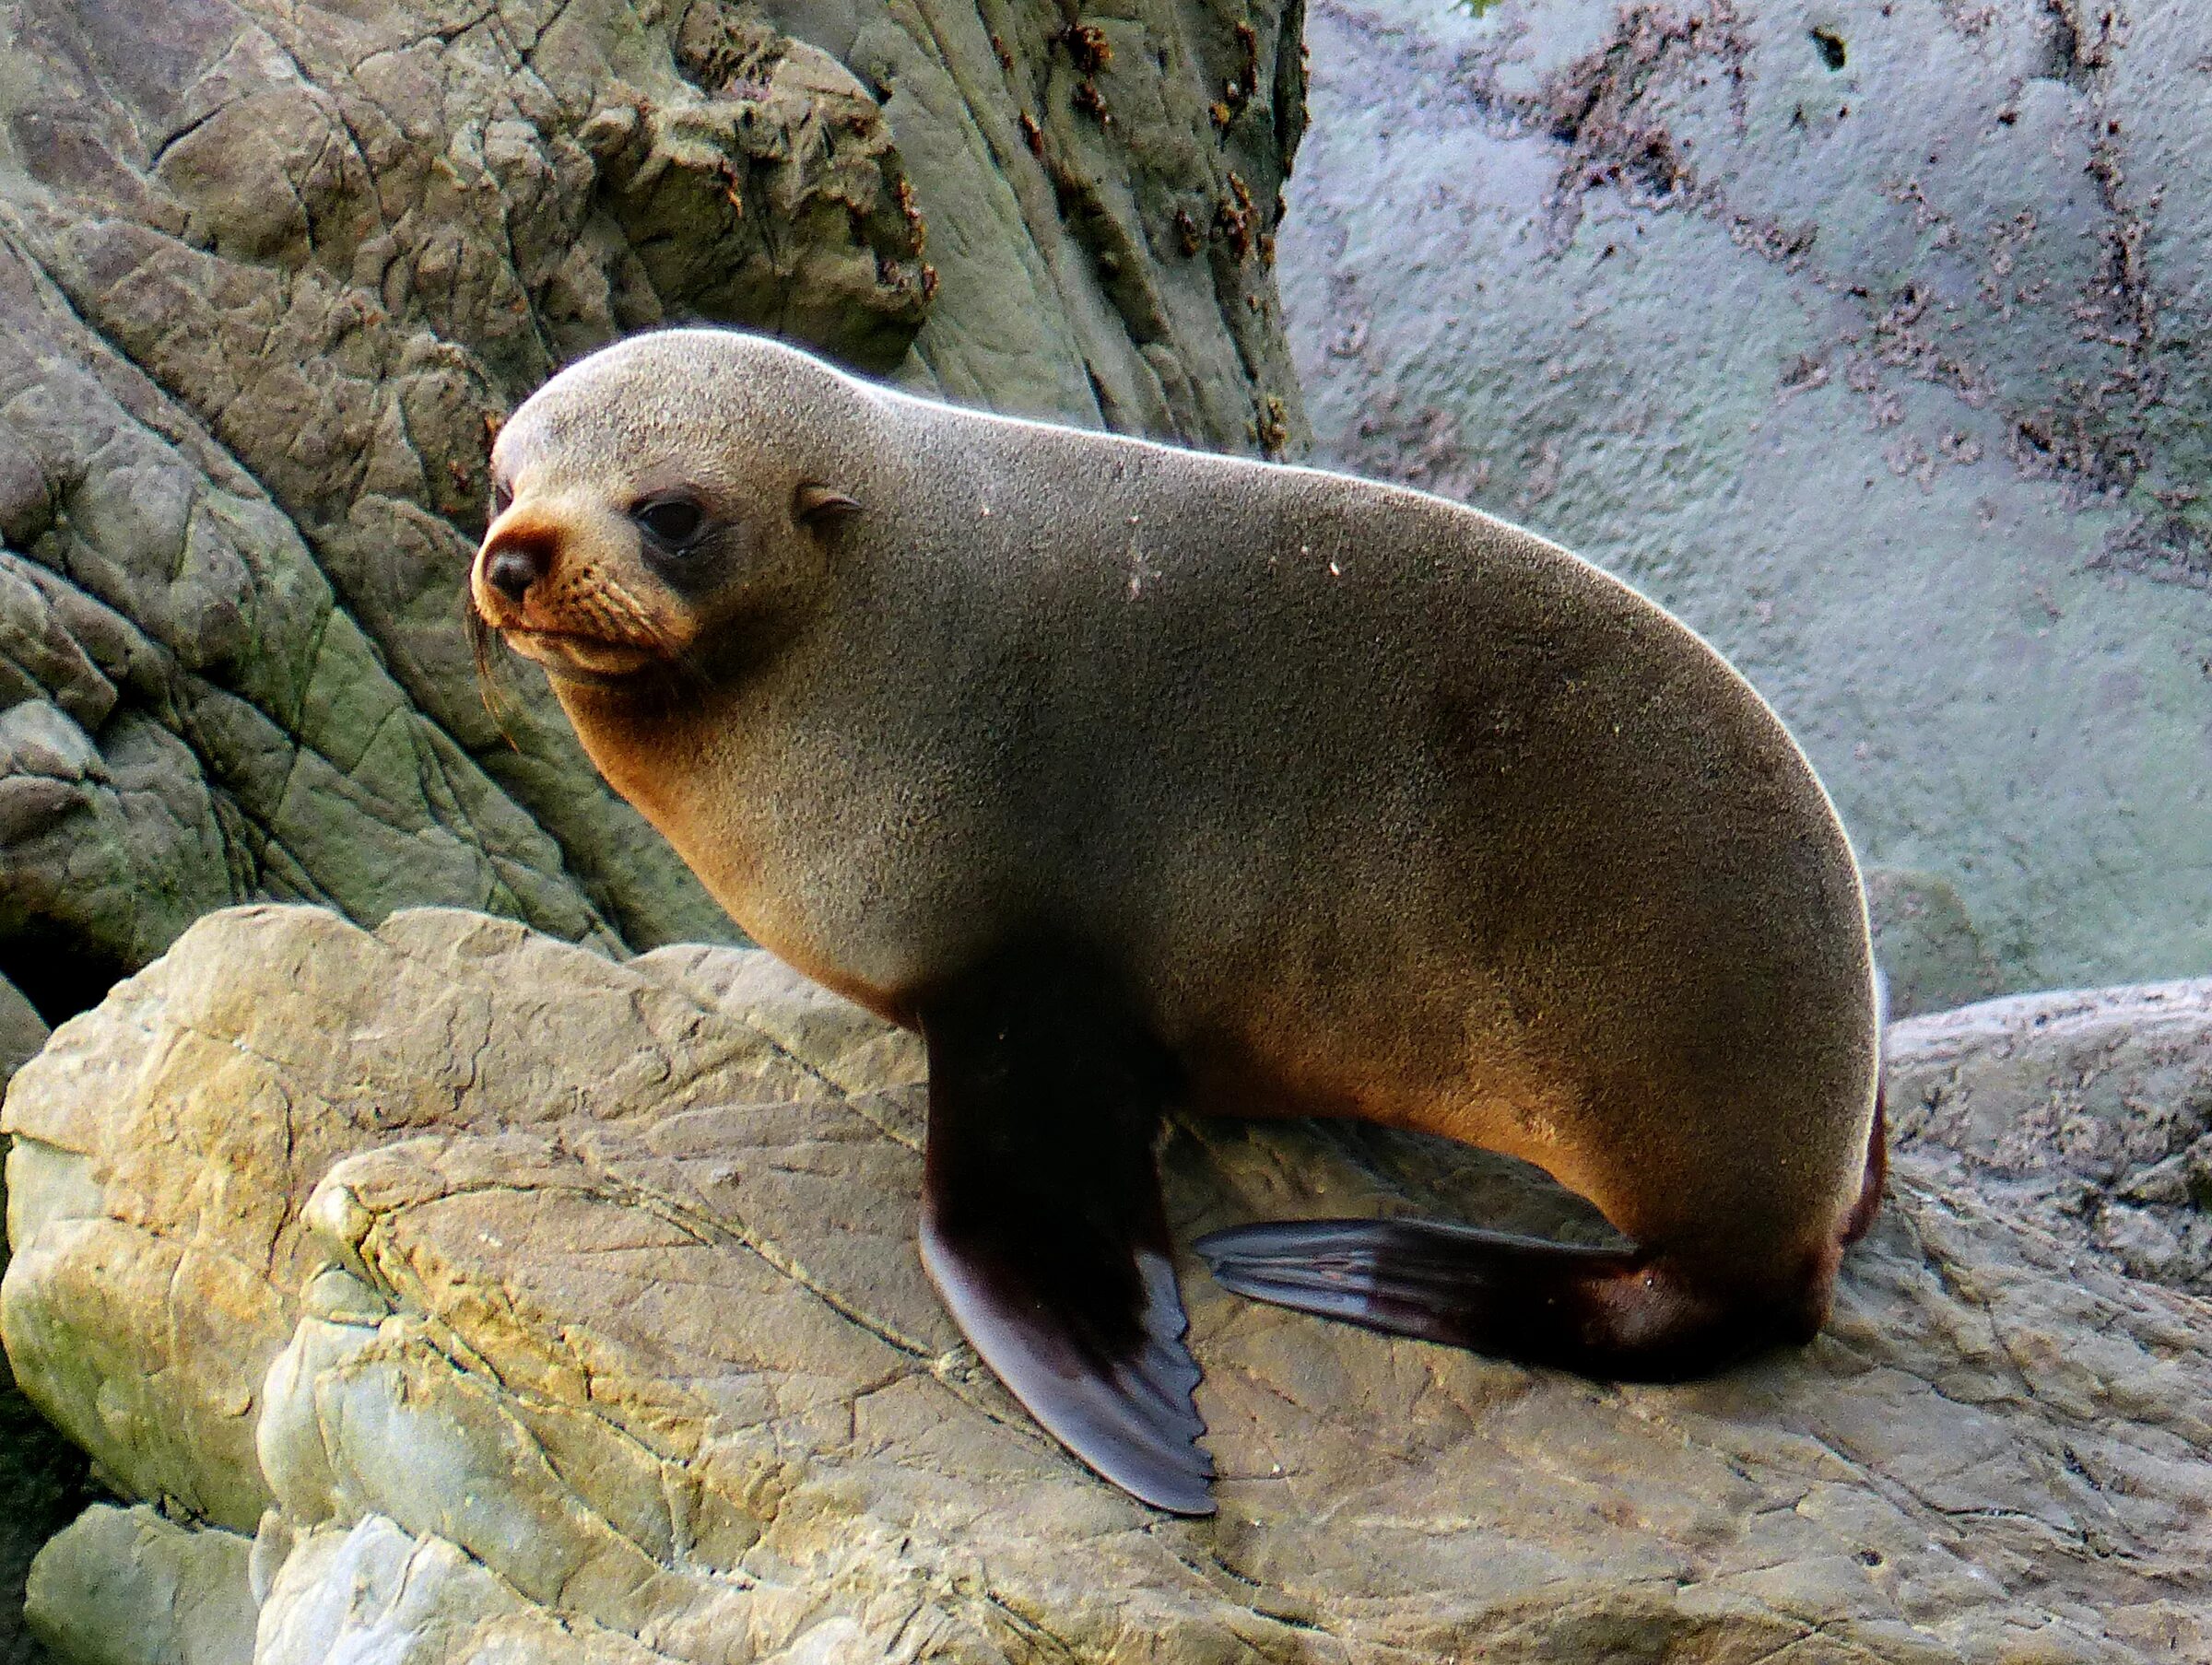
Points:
512	1297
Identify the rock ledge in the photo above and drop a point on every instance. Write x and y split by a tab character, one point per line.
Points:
457	1293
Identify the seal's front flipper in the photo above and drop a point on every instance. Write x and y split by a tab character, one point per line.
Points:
1042	1224
1621	1313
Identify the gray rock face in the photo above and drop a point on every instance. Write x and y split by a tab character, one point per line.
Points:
523	1305
270	275
1932	959
1105	186
127	1587
2090	1112
1862	335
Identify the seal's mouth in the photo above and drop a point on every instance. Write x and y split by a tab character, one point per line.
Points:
580	657
550	586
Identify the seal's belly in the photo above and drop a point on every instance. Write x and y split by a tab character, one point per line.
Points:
1447	1061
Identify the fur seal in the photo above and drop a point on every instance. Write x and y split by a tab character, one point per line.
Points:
1132	776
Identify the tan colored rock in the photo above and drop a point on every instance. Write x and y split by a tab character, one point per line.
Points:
588	1292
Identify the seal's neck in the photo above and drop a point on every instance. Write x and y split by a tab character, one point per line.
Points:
626	742
695	756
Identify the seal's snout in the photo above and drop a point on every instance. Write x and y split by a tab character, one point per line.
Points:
559	584
519	569
513	567
518	553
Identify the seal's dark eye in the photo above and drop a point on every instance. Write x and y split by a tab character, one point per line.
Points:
674	522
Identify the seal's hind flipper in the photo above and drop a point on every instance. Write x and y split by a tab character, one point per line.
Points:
1606	1312
1042	1224
1447	1284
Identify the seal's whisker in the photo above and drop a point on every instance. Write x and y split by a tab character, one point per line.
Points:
613	614
620	602
480	637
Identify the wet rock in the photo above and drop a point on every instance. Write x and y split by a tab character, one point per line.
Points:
1859	335
507	1294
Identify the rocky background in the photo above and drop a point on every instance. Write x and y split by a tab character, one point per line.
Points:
270	276
1868	336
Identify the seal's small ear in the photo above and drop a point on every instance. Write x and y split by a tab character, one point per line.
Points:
811	505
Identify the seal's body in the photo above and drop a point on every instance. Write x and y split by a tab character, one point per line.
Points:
1133	776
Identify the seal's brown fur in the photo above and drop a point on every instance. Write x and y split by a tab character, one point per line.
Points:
1375	805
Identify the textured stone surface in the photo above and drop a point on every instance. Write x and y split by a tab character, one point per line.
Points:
2091	1112
126	1587
1862	333
373	1591
517	1299
271	274
1102	187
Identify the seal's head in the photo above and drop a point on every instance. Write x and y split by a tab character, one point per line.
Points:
659	498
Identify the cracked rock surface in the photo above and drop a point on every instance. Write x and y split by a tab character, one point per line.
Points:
2092	1112
271	274
1863	334
461	1295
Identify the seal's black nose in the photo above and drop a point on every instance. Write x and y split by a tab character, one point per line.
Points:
513	567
